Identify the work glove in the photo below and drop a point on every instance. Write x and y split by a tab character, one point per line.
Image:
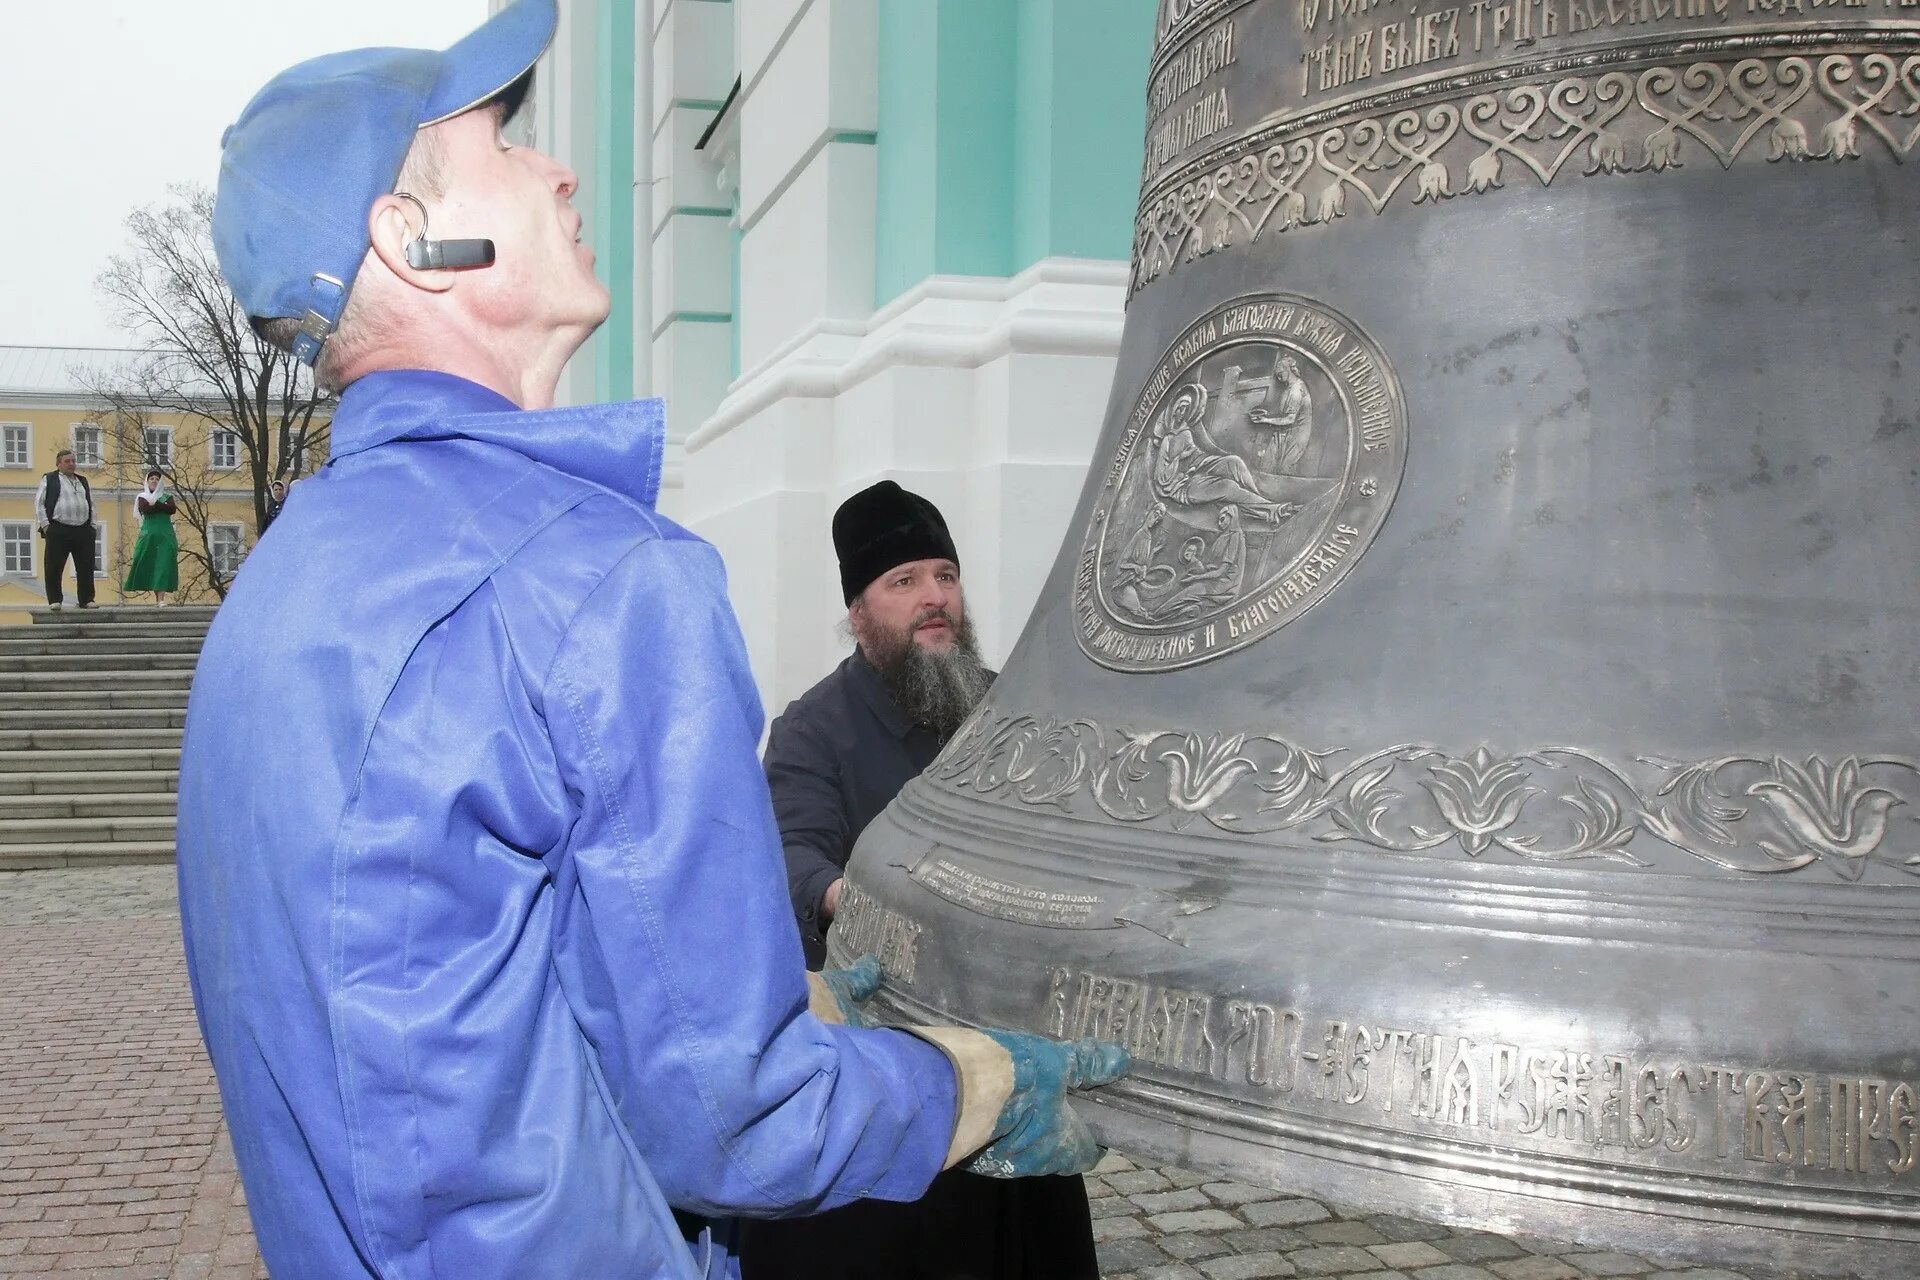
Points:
1037	1132
840	996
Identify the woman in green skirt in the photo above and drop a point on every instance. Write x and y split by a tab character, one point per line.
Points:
156	554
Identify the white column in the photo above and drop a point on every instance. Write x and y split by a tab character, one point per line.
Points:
690	238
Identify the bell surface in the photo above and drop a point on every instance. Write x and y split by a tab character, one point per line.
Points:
1466	748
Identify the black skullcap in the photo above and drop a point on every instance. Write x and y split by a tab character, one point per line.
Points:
882	526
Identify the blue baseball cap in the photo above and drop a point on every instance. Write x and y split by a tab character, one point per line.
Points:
314	149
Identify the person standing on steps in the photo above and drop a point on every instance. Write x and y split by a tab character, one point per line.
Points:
156	553
65	514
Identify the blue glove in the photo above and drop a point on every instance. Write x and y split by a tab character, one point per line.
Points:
851	988
1037	1133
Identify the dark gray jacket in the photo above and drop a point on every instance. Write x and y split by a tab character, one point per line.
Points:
835	758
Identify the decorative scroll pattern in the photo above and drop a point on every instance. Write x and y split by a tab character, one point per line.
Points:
1798	108
1552	804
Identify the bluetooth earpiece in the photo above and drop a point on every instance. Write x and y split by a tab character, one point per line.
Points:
443	255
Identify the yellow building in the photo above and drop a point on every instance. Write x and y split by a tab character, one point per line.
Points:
44	408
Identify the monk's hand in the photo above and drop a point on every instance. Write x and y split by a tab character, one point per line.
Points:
1037	1132
840	996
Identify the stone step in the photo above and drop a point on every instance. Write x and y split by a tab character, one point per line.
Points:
174	718
92	703
90	739
100	782
81	762
58	631
52	681
27	663
25	642
140	804
123	615
52	699
100	630
71	831
109	853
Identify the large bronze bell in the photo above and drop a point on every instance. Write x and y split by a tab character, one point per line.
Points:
1467	746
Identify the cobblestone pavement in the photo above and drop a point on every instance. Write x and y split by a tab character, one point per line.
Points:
114	1164
1171	1224
113	1161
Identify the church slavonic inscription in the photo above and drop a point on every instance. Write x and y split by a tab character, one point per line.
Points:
1353	42
1186	104
1178	17
1165	1026
1577	1098
865	927
1192	67
1005	900
1205	117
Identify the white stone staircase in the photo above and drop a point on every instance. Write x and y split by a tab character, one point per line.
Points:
92	702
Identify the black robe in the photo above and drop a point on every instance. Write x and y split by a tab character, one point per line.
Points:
837	757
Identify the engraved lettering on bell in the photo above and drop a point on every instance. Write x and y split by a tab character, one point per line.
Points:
865	927
1606	1105
1258	463
1006	900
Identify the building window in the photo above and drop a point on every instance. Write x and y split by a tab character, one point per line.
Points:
16	444
16	547
99	548
86	444
156	446
224	548
226	449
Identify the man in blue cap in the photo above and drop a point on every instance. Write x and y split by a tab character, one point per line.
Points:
489	939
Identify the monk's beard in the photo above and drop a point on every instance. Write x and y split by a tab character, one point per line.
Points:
937	689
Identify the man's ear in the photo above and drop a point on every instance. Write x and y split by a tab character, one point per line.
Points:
392	225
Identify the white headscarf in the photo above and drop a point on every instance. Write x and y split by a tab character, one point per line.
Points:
151	491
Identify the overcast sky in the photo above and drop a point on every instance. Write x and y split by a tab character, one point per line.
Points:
106	102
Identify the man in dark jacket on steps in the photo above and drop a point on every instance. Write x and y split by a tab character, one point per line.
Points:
65	512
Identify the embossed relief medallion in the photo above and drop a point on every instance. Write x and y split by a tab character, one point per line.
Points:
1255	468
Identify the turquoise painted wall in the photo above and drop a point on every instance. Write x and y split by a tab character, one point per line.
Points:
1079	126
612	196
1009	131
906	231
944	187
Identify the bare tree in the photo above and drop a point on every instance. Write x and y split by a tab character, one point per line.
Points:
201	365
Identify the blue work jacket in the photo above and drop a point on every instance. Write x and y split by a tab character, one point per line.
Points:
483	897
